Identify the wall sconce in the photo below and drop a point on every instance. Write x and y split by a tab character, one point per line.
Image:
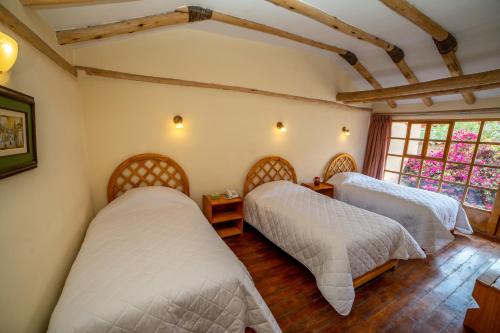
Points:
280	126
8	53
178	121
346	131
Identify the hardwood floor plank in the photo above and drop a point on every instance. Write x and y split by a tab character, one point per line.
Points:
405	285
428	295
422	302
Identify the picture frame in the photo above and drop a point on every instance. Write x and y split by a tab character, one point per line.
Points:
17	133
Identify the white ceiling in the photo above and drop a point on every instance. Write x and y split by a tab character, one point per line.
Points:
474	23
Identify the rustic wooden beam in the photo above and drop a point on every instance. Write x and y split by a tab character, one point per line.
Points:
469	111
40	3
345	54
208	85
374	83
452	85
187	14
445	42
239	22
22	30
122	27
396	54
317	14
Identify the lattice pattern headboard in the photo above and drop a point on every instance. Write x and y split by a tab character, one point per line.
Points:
147	170
267	170
339	163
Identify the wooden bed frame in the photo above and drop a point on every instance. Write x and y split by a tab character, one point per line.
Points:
267	170
342	162
275	168
147	170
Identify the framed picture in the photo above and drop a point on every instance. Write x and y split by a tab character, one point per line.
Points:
17	132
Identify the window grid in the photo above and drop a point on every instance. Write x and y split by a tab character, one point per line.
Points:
444	160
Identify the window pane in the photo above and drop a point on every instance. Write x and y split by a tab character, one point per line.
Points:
415	147
396	146
485	177
393	163
461	152
432	169
456	173
398	130
491	131
408	181
429	184
466	130
439	131
391	177
411	166
488	155
417	131
436	149
480	198
453	190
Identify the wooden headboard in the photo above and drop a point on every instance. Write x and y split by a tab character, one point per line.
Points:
267	170
147	170
339	163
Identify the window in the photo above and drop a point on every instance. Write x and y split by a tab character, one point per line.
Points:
459	158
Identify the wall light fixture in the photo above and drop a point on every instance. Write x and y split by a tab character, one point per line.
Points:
8	52
280	126
178	121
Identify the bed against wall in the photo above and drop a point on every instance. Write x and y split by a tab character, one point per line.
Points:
428	216
150	260
334	240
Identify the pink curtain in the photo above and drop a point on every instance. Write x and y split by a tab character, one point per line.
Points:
376	147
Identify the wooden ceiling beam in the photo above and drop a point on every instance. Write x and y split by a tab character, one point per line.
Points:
396	54
445	42
451	85
345	54
372	81
119	28
23	31
192	14
209	85
239	22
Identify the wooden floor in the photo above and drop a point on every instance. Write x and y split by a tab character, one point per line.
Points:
428	295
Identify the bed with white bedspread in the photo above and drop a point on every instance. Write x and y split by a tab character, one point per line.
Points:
428	216
335	241
151	262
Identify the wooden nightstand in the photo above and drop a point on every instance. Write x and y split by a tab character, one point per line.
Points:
225	215
323	188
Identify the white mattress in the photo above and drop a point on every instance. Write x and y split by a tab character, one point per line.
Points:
335	241
150	262
428	216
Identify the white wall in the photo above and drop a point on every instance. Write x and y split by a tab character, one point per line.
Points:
43	212
225	132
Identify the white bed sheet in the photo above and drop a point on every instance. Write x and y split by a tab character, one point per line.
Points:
428	216
150	262
335	241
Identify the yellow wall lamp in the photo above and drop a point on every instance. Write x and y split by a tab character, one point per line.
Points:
179	122
280	126
8	52
346	131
